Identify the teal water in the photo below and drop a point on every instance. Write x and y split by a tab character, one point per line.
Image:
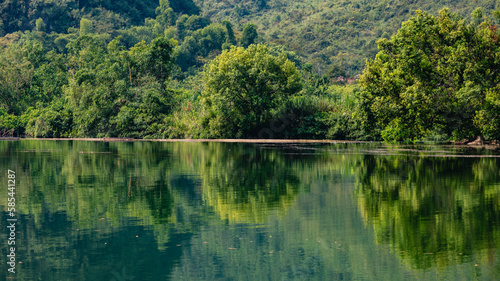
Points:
225	211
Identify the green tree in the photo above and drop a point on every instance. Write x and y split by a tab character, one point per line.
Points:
164	14
201	45
40	25
86	26
488	118
181	27
16	77
429	80
249	35
52	121
243	89
115	92
155	59
230	39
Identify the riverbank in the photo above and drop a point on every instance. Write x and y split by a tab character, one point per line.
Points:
195	140
491	146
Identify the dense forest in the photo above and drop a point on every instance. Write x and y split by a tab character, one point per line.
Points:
314	69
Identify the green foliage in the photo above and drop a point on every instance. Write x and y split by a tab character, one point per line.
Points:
154	59
487	120
54	121
249	35
243	89
200	44
23	15
164	14
304	117
326	114
16	78
434	80
319	30
86	27
40	25
10	125
49	78
432	76
115	92
184	6
231	39
142	116
59	15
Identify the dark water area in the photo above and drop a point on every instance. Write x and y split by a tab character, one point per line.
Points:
239	211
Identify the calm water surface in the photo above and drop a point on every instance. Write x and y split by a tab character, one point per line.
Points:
223	211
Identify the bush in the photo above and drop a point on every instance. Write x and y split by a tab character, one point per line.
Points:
54	121
10	125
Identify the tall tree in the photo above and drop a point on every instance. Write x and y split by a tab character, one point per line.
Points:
431	78
230	39
249	35
40	25
86	26
243	87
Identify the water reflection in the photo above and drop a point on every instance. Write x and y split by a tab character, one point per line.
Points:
205	211
432	211
243	184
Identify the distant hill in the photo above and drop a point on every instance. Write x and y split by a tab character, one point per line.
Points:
335	37
59	15
331	35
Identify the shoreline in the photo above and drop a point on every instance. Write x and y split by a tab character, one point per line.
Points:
189	140
271	141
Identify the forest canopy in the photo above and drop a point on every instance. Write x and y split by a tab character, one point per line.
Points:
214	69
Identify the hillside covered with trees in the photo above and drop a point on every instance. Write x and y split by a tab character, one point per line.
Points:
250	69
